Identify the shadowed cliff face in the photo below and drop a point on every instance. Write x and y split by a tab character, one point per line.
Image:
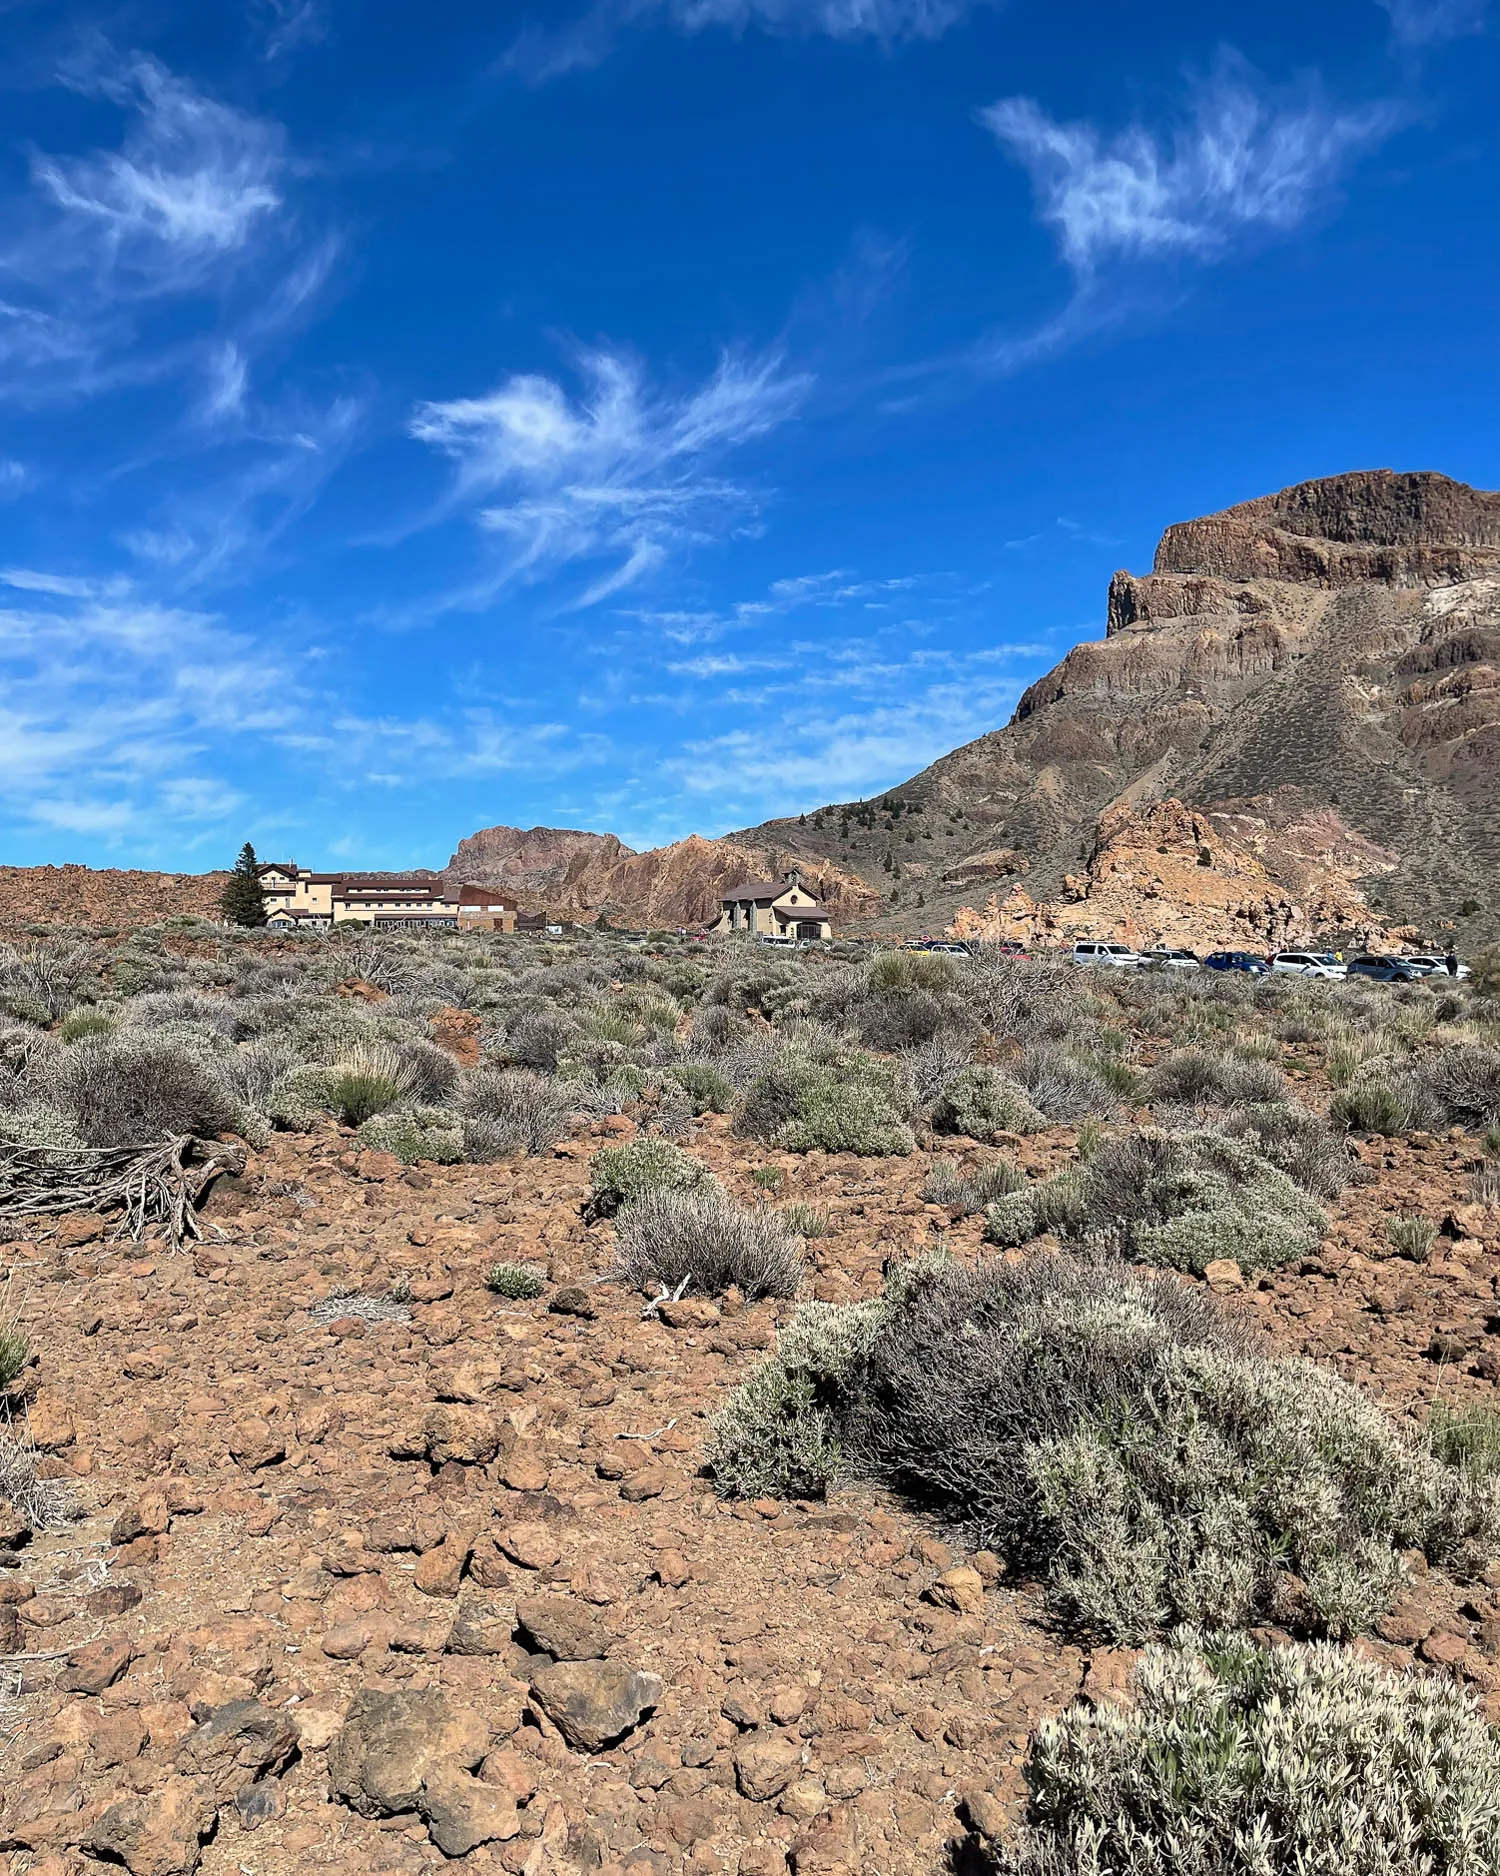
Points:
1335	647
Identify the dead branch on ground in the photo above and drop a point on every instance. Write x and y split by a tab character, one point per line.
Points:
157	1187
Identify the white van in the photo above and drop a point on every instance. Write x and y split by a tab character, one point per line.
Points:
1102	951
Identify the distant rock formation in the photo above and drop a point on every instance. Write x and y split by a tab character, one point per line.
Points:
546	867
580	875
1170	876
1327	658
93	897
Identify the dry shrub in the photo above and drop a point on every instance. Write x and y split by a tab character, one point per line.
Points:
1115	1433
624	1175
507	1111
1197	1074
704	1239
128	1087
1184	1199
43	1503
366	1080
983	1102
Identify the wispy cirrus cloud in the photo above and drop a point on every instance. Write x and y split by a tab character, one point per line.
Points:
541	53
1430	22
616	478
194	180
110	703
1244	160
290	25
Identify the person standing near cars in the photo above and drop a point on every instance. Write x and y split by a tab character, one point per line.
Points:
1450	963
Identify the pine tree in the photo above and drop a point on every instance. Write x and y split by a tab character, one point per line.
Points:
243	902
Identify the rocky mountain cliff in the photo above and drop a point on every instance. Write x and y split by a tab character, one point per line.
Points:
547	868
581	875
1322	666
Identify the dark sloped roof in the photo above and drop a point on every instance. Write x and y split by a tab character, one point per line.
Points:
756	889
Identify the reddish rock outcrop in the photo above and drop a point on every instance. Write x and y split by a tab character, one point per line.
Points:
667	886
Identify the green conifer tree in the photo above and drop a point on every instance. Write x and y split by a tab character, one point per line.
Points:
243	902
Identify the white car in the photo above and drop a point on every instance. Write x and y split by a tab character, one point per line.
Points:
1165	958
1305	964
1430	966
1104	952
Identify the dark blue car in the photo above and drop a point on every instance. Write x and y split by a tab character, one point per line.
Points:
1236	961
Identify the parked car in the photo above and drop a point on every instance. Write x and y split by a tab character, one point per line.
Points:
949	948
1429	965
1009	948
1249	961
1383	970
1164	957
1306	964
1102	951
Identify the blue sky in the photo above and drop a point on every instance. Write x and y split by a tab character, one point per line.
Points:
656	415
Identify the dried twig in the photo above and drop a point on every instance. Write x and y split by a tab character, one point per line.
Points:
649	1436
154	1185
666	1296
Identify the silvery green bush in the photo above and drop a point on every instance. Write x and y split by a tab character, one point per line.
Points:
1116	1435
1237	1760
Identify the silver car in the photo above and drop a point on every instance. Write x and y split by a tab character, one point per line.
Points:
1166	958
1429	965
1103	951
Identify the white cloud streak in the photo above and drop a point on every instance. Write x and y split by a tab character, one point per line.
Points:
192	181
1431	22
618	476
111	701
543	53
1244	161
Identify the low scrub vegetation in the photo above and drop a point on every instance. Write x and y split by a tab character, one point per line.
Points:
1237	1760
699	1240
1114	1434
1175	1199
519	1282
624	1175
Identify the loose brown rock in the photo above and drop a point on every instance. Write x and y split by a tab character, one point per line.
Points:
960	1589
533	1546
158	1834
462	1812
594	1703
95	1666
763	1768
564	1628
392	1743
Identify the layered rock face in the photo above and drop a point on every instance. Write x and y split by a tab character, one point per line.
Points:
580	875
1322	664
1401	530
